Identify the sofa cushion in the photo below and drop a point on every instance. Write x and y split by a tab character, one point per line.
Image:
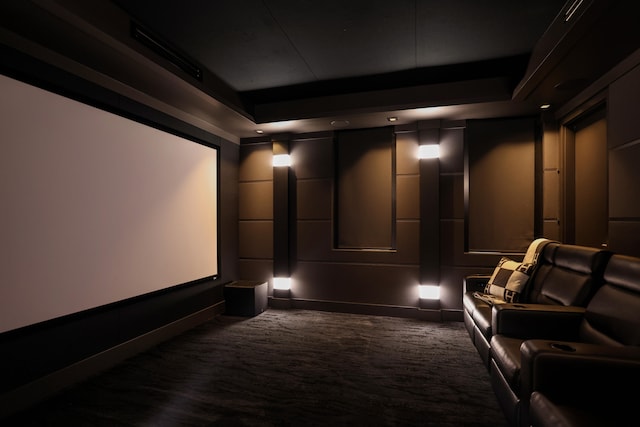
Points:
508	279
505	354
482	320
566	275
545	413
612	314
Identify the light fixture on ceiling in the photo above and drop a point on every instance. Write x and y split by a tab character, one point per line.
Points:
545	106
572	10
392	119
259	131
340	123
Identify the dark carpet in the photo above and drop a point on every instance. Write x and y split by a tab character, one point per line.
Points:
289	368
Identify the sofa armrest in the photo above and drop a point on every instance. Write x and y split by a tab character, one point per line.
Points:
528	321
476	282
579	373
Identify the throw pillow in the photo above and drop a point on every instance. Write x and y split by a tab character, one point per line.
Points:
508	279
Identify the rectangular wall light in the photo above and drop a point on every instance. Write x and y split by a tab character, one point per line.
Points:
282	283
429	292
429	151
281	160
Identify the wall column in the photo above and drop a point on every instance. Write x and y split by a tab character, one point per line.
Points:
284	215
428	134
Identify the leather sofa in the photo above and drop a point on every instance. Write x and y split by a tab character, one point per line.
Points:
563	275
546	411
552	365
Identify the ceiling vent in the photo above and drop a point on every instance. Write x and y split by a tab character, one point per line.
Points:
161	48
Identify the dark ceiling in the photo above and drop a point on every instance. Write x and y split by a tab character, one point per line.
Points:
297	60
233	67
261	44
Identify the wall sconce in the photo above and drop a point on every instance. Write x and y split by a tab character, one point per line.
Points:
429	297
281	160
282	283
429	151
429	292
281	287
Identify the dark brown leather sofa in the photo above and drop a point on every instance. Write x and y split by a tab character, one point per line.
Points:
564	275
571	366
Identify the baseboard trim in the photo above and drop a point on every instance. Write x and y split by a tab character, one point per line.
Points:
36	391
359	308
435	315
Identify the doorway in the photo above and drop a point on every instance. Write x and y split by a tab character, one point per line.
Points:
587	201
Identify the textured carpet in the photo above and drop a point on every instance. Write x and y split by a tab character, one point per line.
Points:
289	368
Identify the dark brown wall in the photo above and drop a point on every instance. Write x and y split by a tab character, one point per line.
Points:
624	157
385	282
380	282
255	211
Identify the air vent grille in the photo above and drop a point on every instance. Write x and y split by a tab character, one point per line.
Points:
159	47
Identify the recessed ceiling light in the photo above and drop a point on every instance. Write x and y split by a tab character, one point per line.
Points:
340	123
392	119
259	131
545	106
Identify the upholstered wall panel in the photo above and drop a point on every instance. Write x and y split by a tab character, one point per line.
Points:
407	194
365	189
313	156
591	183
551	195
255	269
390	285
623	107
406	153
255	200
451	196
314	199
624	158
256	239
624	236
314	244
255	204
255	162
501	181
623	171
452	147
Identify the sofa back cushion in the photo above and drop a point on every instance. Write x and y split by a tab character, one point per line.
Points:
508	280
613	315
510	277
566	275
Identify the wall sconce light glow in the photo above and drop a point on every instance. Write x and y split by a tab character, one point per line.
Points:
430	151
431	292
282	283
281	160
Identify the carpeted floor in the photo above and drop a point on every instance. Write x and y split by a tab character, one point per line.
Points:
289	368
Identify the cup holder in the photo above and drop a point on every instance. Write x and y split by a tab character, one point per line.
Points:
563	347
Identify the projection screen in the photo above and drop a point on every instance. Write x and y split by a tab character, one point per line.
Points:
96	208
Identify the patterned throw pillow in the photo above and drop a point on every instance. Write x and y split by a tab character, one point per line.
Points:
508	280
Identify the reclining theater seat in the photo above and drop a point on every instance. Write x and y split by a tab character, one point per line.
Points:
477	311
571	363
564	275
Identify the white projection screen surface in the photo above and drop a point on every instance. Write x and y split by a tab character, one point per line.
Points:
96	208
